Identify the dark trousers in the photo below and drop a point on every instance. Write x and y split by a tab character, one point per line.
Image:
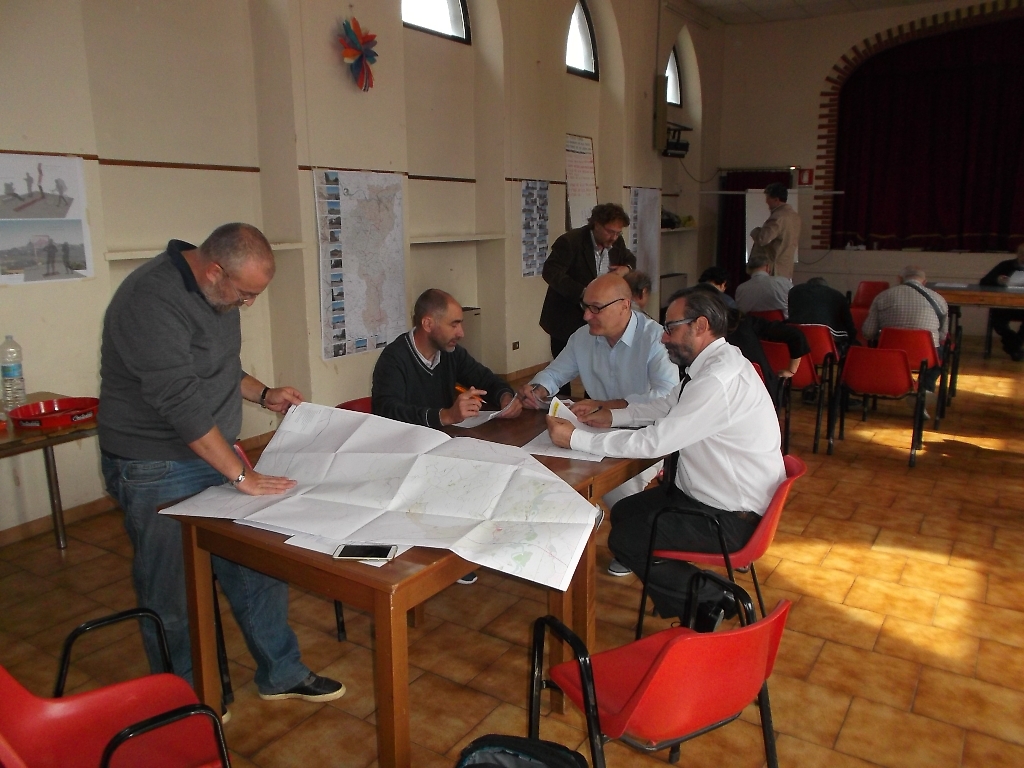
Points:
630	536
1001	319
557	345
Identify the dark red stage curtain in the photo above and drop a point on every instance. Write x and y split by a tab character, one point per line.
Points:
732	218
930	148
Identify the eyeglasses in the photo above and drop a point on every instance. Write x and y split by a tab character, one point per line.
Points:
671	326
241	297
595	309
611	230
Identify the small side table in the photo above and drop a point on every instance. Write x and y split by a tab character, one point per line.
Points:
15	441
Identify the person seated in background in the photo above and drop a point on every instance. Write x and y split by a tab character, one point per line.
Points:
908	305
640	286
746	332
763	292
816	303
1013	341
618	355
621	263
724	427
416	375
719	278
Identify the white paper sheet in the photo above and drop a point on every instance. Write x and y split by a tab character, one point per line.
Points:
484	416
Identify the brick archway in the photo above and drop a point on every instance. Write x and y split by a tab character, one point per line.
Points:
828	113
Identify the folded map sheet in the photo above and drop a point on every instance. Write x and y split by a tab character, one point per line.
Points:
362	478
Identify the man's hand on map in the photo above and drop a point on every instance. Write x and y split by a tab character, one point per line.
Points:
256	484
560	431
511	406
533	396
602	417
280	399
466	404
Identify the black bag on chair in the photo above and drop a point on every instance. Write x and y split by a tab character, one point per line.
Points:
496	751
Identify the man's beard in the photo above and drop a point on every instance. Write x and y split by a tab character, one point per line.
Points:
677	356
215	303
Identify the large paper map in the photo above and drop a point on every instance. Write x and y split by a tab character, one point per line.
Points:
362	260
363	478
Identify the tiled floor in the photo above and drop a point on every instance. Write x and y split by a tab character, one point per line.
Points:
903	647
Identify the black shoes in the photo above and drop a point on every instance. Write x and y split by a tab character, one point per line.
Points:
711	614
313	688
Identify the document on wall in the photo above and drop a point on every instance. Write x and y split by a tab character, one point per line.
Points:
534	226
580	179
363	478
645	229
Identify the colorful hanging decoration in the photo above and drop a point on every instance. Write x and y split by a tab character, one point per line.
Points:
357	51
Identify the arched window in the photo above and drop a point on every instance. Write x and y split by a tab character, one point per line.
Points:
674	95
447	18
581	47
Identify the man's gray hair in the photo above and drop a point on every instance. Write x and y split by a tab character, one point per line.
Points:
701	302
819	280
758	259
433	302
913	273
232	245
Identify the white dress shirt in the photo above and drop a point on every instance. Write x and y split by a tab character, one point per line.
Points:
636	369
723	425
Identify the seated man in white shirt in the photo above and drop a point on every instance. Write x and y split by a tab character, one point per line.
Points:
763	292
721	421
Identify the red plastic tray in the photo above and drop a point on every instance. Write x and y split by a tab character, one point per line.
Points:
55	414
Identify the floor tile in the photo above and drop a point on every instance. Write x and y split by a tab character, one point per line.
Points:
506	678
22	585
888	517
971	704
897	739
945	579
893	600
798	752
328	738
471	606
1004	562
933	646
441	712
1000	664
866	674
50	608
49	560
807	711
833	621
798	549
845	531
515	625
256	723
94	573
455	652
513	720
823	583
909	545
797	654
860	559
980	534
980	620
1005	592
99	528
981	751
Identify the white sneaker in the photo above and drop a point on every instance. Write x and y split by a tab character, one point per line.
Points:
615	568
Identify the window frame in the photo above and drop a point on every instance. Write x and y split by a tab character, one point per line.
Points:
596	74
673	57
467	40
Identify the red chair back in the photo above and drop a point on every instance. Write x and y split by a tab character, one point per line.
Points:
646	690
775	315
763	534
821	341
72	731
778	355
915	342
876	371
866	292
758	371
361	404
859	315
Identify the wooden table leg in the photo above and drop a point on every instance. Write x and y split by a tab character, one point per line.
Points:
559	606
584	595
391	662
417	615
56	510
199	591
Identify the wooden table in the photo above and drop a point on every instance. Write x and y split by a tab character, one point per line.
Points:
389	592
14	442
991	296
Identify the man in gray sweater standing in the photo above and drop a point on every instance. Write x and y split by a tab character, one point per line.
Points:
171	390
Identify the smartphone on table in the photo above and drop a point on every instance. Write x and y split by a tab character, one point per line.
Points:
365	552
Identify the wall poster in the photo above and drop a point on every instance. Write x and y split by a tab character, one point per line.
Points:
44	232
580	178
534	226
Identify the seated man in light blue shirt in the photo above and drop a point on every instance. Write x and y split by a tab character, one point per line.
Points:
618	355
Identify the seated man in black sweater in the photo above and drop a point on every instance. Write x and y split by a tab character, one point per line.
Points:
416	375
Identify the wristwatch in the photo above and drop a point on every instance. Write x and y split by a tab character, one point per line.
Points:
239	479
263	397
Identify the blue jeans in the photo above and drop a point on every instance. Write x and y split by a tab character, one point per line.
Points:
259	602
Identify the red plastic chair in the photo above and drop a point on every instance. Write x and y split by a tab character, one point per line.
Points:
825	356
884	373
859	315
360	404
743	557
660	691
922	355
806	376
866	292
775	315
152	721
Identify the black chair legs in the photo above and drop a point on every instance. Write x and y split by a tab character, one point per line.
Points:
339	620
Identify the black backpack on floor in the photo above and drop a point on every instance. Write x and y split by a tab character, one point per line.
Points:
494	751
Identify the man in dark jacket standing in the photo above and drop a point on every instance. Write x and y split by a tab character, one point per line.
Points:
1013	341
576	258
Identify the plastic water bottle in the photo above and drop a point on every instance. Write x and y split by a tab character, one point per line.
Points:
13	377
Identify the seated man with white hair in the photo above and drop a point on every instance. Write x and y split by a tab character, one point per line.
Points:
908	305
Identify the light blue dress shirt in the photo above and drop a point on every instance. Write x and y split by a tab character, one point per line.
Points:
636	369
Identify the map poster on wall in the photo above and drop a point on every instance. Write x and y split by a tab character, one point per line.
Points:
580	179
362	260
44	234
645	229
535	226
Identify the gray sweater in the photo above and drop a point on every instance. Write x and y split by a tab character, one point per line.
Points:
169	364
